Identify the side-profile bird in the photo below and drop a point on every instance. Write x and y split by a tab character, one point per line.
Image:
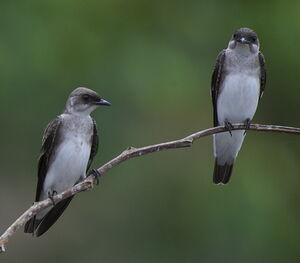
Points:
238	82
69	145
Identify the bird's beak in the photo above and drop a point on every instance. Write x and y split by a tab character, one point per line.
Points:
103	102
243	40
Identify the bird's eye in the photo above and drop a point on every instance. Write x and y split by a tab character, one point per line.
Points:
253	39
85	96
234	35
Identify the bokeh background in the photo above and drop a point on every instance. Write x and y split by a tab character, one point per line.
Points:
153	61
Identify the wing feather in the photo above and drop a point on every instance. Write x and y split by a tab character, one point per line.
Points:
50	138
216	83
263	74
95	144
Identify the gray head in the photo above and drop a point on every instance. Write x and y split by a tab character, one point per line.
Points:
244	38
83	101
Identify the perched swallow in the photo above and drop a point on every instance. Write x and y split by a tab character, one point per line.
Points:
238	82
69	145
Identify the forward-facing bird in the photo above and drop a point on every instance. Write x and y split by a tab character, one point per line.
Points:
238	82
69	145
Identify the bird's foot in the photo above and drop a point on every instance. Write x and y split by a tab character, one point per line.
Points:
51	195
228	126
96	174
247	124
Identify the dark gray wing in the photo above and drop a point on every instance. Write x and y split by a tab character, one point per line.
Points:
215	83
263	74
50	138
95	143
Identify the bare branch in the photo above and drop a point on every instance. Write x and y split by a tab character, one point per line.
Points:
129	153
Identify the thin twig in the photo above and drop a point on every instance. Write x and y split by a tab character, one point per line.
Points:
129	153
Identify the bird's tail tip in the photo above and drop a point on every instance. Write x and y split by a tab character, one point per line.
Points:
222	173
30	226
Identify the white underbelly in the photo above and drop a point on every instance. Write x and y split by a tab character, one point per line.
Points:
68	167
239	98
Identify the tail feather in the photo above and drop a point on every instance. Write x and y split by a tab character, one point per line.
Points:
51	217
39	227
222	173
31	225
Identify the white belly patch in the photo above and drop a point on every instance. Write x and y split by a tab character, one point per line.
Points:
239	98
69	165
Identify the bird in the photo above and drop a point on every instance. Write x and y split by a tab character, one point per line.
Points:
238	82
69	144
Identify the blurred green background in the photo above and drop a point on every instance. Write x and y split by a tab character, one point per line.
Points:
153	61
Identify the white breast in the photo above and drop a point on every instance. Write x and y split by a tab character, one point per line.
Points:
69	164
239	97
70	159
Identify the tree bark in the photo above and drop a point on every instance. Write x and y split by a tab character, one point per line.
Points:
129	153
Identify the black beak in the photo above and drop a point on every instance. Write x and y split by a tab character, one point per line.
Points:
103	102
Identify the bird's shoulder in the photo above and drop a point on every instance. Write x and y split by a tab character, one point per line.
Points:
218	70
52	128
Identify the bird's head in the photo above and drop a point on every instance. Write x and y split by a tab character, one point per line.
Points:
244	38
83	101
